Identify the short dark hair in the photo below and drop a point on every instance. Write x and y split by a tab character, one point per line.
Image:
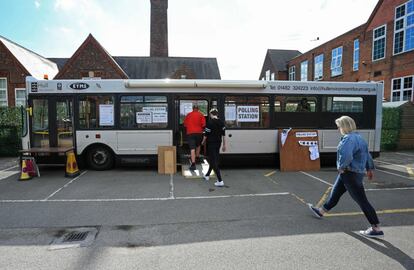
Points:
214	112
195	106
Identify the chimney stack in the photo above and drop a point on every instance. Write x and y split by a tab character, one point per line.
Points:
159	28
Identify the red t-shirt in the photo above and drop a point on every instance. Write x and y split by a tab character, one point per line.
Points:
195	122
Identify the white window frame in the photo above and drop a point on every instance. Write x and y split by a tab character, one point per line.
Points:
402	89
292	73
267	74
5	89
355	58
336	61
272	76
19	99
403	29
304	70
378	38
318	68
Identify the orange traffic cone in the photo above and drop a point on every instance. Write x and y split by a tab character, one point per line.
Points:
72	169
25	170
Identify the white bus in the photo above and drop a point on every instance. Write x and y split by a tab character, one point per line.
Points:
108	121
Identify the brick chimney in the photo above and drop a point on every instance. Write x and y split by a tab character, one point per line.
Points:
159	28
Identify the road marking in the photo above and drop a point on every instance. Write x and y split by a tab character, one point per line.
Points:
385	189
150	199
396	165
399	175
6	174
322	200
299	198
388	211
314	177
171	187
410	172
270	174
404	154
67	184
12	167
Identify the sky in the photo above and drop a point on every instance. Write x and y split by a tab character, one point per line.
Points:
236	32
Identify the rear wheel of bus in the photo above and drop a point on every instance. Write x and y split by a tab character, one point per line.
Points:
100	158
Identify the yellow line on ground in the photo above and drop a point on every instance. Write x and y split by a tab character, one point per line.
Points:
299	198
322	200
388	211
269	174
410	171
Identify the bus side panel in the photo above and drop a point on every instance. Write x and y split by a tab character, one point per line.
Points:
329	139
125	142
251	141
142	142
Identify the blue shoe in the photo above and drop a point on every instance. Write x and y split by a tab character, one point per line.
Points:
372	233
315	211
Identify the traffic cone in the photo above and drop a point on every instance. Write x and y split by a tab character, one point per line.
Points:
72	169
25	171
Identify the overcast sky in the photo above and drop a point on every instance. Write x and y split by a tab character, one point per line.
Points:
236	32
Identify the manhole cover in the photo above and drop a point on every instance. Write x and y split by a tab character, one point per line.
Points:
75	238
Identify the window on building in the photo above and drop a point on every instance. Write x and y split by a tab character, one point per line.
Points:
318	67
96	112
267	75
292	73
144	112
404	28
272	76
304	71
355	65
247	112
402	88
3	92
378	49
336	62
20	95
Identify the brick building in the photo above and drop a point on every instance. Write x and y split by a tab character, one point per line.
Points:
380	50
17	62
274	65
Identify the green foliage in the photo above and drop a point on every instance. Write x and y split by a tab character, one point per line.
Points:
391	125
10	131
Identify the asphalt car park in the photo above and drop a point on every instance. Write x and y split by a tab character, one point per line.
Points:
138	209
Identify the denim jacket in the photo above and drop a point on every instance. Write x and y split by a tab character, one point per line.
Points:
353	155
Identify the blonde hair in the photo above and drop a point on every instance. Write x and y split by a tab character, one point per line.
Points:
345	124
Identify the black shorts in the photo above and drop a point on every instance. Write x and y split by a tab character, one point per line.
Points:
194	140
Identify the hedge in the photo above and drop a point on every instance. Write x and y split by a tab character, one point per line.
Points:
10	131
391	125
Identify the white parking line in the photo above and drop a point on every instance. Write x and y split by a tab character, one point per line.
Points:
6	174
67	184
396	165
149	199
171	186
314	177
12	167
396	174
404	154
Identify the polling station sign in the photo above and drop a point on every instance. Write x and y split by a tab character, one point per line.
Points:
248	113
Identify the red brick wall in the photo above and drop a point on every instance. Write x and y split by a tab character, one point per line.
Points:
11	69
90	58
159	28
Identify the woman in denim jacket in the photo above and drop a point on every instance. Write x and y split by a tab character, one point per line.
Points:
353	161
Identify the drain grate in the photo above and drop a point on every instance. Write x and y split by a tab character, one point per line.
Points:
75	237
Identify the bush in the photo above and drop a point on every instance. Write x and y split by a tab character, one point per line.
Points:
391	125
10	131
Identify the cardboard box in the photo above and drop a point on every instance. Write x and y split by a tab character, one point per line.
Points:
167	160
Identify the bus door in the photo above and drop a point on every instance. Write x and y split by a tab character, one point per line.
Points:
183	106
51	123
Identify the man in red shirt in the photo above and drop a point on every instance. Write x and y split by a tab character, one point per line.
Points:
194	123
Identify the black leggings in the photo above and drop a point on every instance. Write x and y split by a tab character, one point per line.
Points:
213	151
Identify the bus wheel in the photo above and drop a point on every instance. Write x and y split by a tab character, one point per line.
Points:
100	158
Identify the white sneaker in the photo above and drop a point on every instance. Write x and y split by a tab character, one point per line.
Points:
219	184
205	177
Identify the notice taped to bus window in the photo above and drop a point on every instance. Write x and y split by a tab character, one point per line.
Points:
248	113
144	117
106	114
230	112
159	117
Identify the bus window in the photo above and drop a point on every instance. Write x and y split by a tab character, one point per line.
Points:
186	106
247	112
96	112
40	123
144	112
342	104
300	104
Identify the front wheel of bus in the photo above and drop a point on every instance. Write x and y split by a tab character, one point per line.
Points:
100	158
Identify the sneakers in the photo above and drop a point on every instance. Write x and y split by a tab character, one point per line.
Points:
315	211
206	177
193	167
370	232
219	184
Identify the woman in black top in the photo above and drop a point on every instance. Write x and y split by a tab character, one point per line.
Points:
214	135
